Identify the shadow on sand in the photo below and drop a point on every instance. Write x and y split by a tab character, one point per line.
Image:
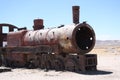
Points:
97	72
5	70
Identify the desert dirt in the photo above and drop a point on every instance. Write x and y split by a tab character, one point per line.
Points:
108	68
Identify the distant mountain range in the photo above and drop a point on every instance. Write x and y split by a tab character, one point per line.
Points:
107	43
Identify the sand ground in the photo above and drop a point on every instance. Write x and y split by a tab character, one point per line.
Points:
108	69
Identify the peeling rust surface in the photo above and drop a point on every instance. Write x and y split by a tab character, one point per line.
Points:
60	48
3	36
78	38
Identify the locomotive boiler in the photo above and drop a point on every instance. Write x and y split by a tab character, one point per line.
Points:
60	48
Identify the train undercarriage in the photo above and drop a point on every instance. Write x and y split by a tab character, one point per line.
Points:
43	57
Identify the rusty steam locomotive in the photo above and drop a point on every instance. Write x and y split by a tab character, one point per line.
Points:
61	48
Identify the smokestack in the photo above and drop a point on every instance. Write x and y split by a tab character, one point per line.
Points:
75	10
38	24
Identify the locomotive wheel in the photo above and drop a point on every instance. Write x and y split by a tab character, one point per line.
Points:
30	64
71	65
47	66
7	63
0	62
59	65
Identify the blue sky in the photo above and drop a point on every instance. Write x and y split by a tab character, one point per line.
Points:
102	15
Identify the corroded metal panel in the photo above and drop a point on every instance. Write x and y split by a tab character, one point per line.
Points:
16	38
75	38
3	36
